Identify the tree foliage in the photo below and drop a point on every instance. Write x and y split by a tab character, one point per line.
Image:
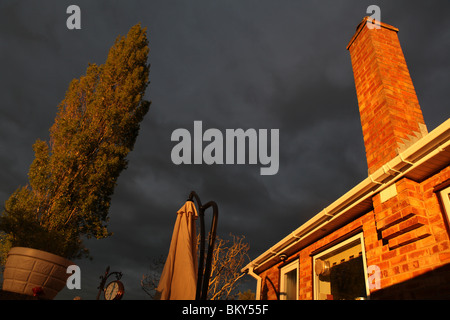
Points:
73	175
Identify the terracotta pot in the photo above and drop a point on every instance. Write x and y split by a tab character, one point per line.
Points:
27	269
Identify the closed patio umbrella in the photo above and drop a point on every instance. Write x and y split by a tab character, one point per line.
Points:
179	277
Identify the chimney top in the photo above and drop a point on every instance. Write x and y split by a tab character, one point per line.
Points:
390	113
376	24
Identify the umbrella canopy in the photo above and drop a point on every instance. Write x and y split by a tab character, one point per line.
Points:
179	277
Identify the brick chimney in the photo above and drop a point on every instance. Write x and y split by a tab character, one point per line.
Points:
391	117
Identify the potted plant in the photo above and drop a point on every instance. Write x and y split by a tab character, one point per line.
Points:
73	176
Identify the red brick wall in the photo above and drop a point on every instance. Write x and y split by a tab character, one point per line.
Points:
405	236
389	109
416	259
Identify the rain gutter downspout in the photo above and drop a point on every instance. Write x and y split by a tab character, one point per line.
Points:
258	282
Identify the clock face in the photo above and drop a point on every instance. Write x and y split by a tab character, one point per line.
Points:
114	290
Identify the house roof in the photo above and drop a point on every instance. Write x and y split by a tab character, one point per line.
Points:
417	162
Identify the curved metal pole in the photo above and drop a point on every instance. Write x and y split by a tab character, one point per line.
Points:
205	272
212	239
193	195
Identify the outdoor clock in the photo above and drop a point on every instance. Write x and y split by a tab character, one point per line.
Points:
114	290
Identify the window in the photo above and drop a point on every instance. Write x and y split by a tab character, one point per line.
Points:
340	272
445	196
289	281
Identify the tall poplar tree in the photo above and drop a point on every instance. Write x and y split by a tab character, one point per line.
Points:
73	175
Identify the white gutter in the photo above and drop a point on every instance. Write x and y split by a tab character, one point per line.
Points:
420	152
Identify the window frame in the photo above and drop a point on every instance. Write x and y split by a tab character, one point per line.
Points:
294	265
337	247
444	194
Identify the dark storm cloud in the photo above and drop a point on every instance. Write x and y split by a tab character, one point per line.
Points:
231	64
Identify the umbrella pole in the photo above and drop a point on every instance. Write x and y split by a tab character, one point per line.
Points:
204	273
212	239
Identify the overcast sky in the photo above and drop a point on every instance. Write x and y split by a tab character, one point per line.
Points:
231	64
